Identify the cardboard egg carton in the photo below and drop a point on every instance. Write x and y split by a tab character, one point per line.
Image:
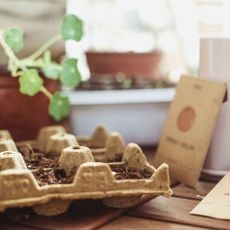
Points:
105	146
91	180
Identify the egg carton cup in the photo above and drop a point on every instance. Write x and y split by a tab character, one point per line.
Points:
92	180
105	146
98	138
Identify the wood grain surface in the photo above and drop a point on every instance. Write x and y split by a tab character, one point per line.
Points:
133	223
201	190
176	210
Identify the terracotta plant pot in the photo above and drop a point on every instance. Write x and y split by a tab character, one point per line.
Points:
144	65
22	115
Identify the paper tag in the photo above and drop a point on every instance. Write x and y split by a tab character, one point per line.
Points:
189	128
217	202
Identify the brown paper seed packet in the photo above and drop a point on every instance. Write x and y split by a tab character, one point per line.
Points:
189	127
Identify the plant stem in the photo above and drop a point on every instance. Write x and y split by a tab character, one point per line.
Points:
14	62
43	48
36	64
22	63
7	49
46	92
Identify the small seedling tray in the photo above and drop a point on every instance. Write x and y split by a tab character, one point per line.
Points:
92	180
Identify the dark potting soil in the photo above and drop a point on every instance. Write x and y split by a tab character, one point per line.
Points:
45	167
123	172
46	170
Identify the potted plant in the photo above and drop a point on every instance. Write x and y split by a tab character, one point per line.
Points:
36	75
131	64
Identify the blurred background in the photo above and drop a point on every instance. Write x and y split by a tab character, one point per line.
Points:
170	26
131	57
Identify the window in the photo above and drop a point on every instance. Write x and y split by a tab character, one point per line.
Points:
173	26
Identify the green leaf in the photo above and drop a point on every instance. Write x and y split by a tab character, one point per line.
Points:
59	106
30	82
72	28
14	38
51	70
70	75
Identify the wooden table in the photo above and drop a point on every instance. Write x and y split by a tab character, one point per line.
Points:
151	213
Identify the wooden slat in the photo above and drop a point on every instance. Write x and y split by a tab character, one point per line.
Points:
177	210
85	214
15	214
132	223
198	193
81	215
13	226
